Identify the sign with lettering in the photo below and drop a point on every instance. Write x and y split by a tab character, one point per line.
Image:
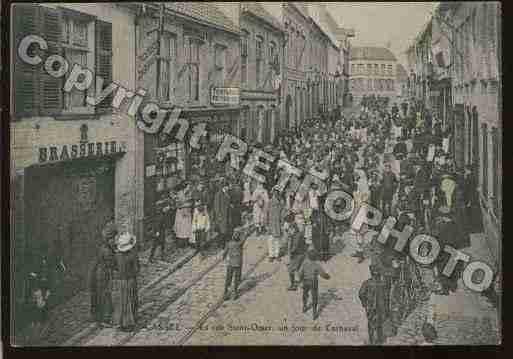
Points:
225	96
79	150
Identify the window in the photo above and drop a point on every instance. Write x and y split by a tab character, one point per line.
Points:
383	69
244	56
376	69
369	84
390	72
220	60
353	69
80	38
76	48
167	66
377	85
361	69
484	169
259	55
272	51
392	85
193	64
369	69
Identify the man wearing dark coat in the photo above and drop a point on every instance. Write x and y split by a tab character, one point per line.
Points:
297	249
447	234
236	204
101	276
389	185
222	214
372	297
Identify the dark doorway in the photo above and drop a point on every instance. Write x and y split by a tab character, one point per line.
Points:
67	208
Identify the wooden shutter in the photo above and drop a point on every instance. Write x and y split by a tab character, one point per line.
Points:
103	38
50	87
26	77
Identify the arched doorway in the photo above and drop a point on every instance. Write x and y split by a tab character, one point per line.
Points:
288	105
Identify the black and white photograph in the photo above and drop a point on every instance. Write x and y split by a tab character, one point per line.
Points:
254	173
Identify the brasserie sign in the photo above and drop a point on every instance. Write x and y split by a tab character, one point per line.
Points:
225	96
80	150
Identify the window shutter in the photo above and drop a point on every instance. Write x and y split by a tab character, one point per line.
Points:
103	48
26	77
51	87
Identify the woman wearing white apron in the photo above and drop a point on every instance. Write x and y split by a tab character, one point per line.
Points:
361	196
183	217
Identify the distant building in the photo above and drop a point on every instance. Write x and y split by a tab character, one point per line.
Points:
262	40
373	72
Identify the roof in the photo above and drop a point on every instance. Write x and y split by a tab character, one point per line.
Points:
371	53
401	73
257	10
203	11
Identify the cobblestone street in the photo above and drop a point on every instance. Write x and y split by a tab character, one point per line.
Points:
267	305
462	318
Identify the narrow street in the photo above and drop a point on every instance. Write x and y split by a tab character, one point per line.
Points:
256	146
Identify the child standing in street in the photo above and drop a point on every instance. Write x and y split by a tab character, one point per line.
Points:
233	251
200	227
309	274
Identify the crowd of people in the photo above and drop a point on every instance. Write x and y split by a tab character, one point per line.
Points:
399	161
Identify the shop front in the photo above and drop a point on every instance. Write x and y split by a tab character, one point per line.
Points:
67	196
168	161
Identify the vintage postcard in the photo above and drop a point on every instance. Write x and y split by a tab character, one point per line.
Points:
255	173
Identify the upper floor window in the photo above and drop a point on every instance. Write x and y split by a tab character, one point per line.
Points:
259	57
168	66
193	46
389	70
272	51
220	62
383	69
78	37
244	56
376	69
369	69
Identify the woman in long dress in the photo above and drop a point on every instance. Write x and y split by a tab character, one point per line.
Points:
101	279
127	261
361	196
183	217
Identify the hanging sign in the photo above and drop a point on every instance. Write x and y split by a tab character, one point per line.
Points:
225	96
79	150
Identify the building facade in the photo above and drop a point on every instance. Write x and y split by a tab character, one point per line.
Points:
262	41
373	72
344	44
456	71
295	91
477	100
329	27
73	166
200	55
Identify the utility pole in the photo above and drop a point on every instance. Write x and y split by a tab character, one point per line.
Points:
159	42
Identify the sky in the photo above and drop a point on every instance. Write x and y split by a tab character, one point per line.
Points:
376	23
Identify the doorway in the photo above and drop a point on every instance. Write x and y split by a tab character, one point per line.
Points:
68	206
